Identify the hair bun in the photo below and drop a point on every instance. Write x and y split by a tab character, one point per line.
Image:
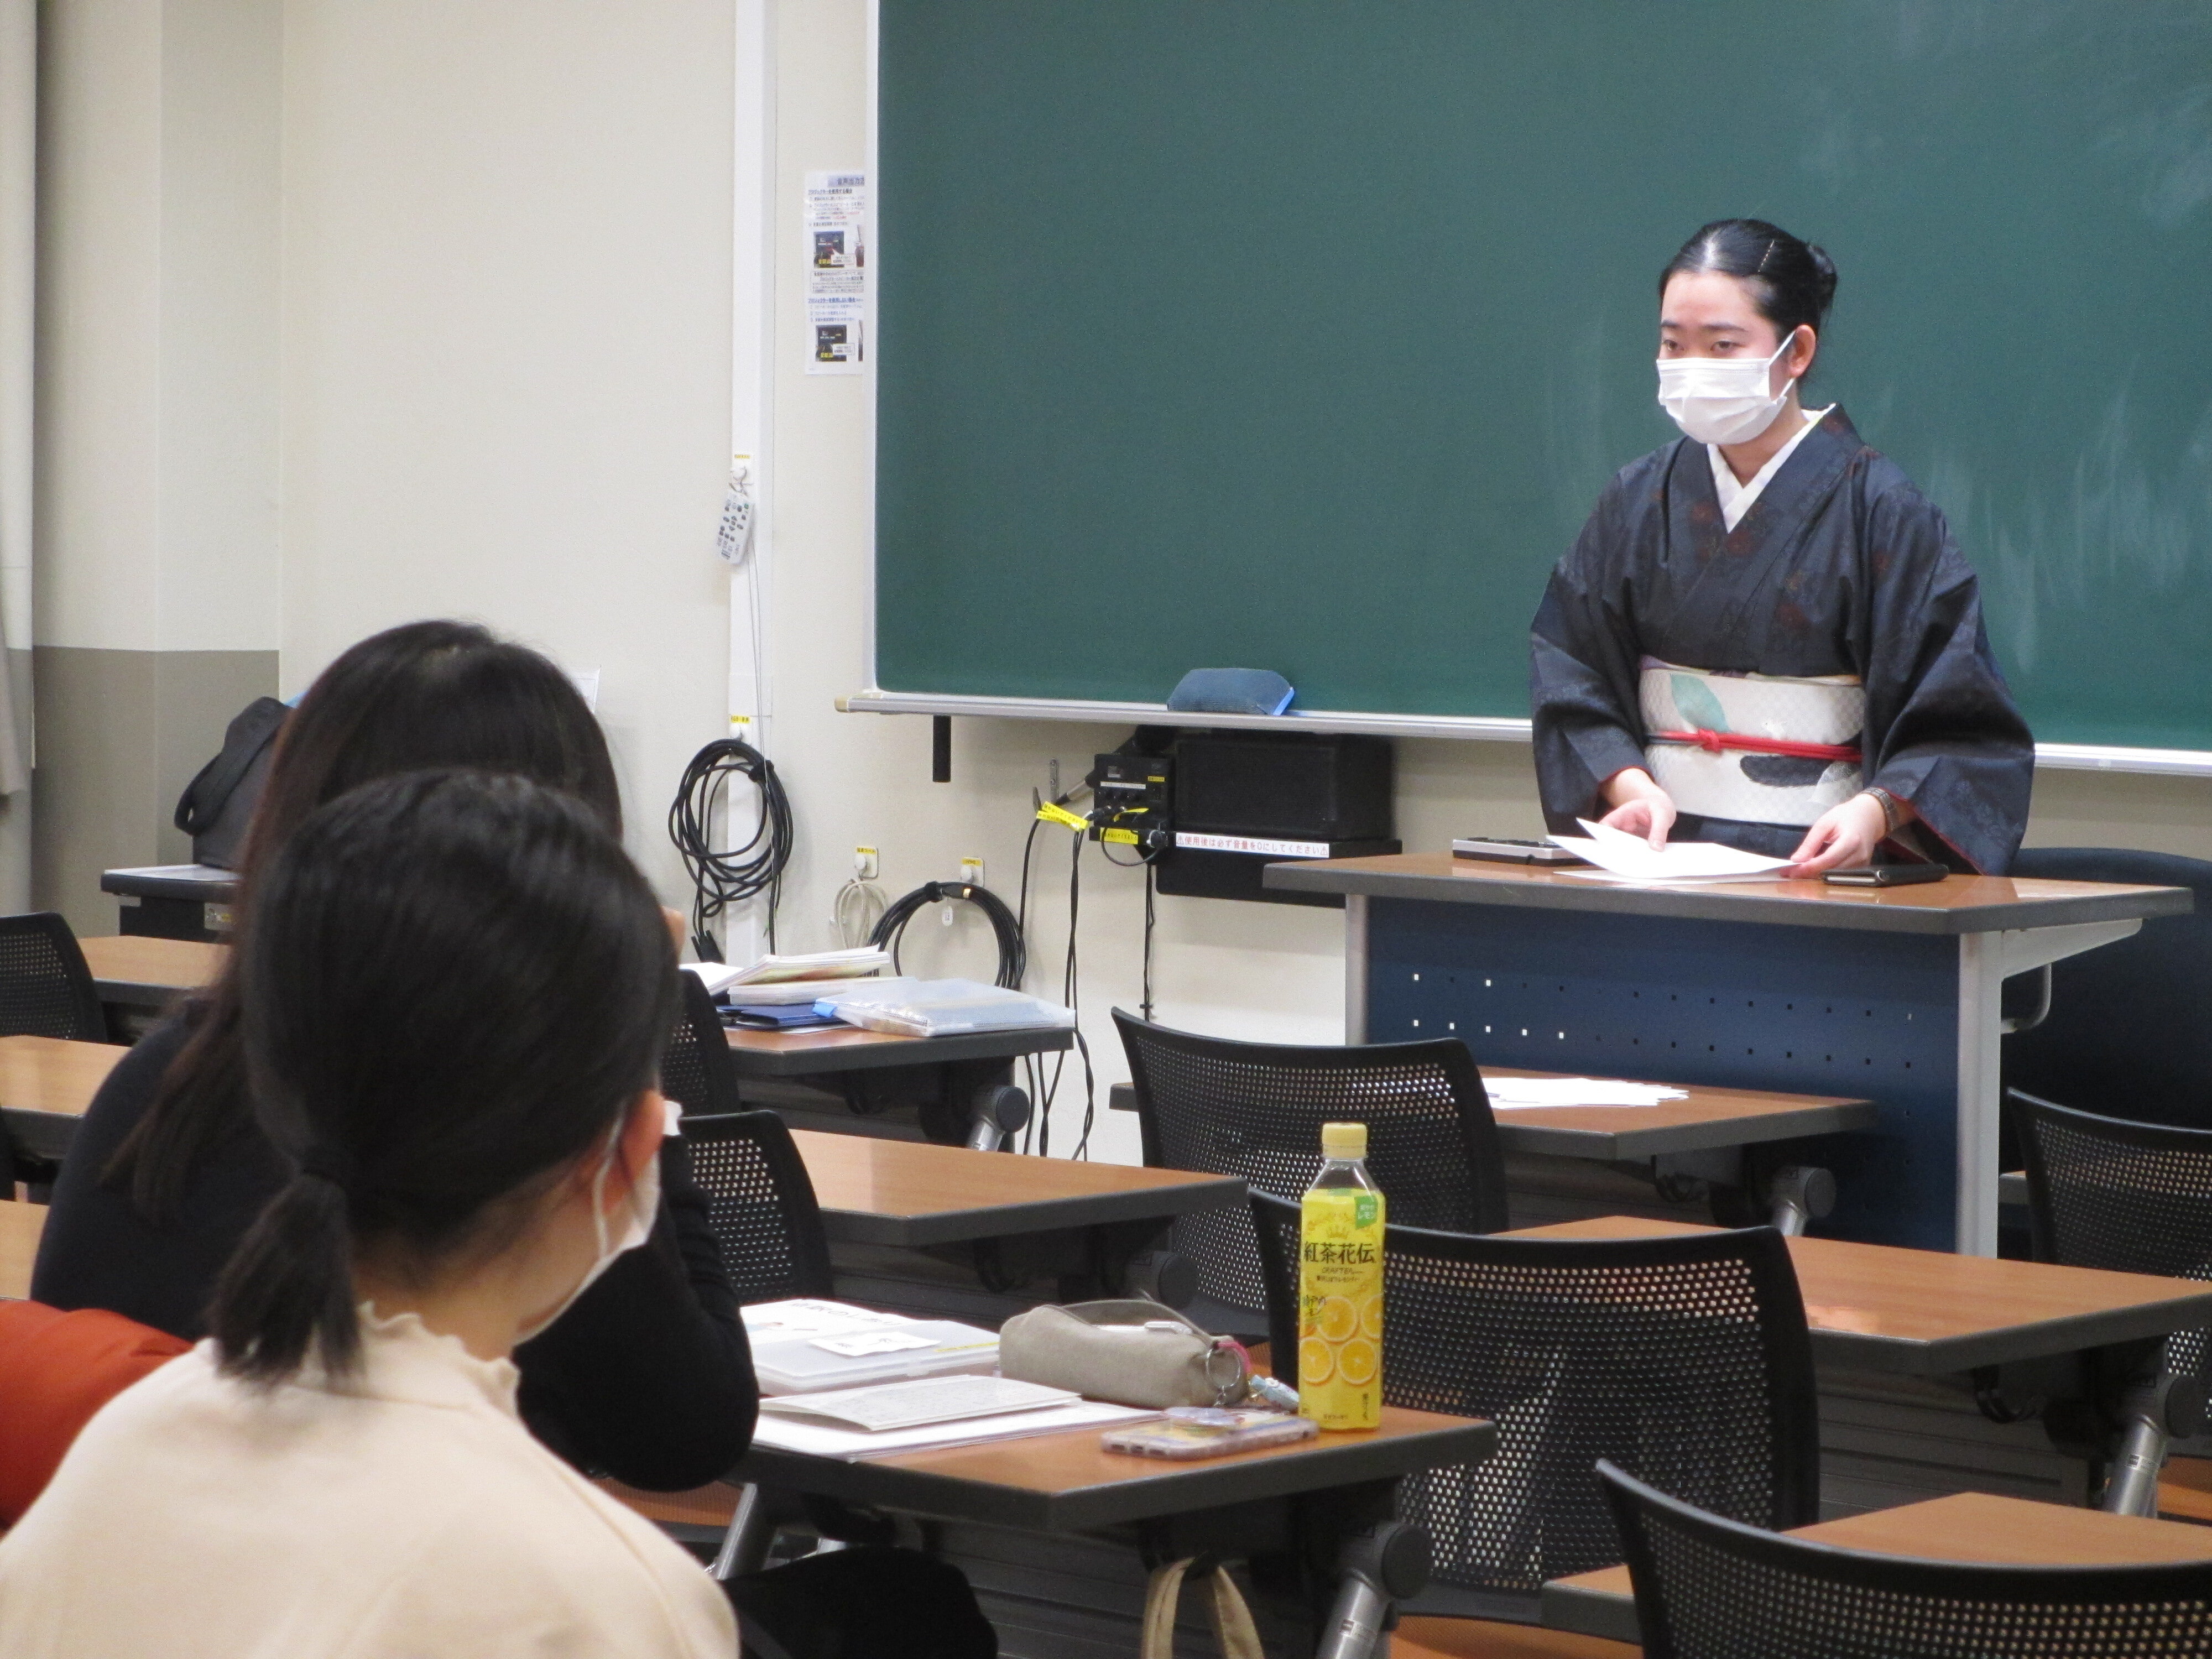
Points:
1824	272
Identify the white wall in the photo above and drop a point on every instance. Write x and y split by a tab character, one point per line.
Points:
506	345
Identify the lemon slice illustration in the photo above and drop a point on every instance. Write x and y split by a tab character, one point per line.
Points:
1315	1362
1371	1317
1355	1361
1338	1319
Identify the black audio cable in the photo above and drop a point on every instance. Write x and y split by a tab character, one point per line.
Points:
721	879
1005	926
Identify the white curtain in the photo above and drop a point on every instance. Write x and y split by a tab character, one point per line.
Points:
19	126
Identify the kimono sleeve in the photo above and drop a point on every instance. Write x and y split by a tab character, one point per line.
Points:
1582	669
1945	732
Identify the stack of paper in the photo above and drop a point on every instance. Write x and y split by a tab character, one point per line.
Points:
805	1345
939	1411
1518	1093
1620	856
774	979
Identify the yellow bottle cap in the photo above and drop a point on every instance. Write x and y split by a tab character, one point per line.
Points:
1343	1140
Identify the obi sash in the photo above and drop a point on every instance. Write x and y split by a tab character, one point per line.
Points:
1754	748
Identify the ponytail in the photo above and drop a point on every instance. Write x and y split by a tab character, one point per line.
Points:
452	986
288	1287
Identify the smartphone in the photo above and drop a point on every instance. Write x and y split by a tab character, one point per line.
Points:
1507	849
1887	875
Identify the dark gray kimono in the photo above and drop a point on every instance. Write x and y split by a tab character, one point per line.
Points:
1840	567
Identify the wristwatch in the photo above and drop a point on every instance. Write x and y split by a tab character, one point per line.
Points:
1891	813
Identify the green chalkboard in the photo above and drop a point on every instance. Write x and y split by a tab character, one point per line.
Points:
1302	334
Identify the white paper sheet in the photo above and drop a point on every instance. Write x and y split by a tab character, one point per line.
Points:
853	1446
1525	1093
1629	858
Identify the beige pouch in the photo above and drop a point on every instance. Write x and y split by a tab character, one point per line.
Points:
1134	1353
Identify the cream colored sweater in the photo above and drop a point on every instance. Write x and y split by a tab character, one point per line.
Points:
405	1515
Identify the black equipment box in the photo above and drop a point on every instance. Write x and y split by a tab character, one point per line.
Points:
1243	800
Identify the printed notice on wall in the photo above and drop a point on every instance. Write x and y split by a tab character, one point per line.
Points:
836	270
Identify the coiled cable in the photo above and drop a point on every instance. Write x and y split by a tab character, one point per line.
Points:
1013	953
722	879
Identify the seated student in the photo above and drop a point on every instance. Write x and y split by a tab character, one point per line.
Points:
649	1378
454	993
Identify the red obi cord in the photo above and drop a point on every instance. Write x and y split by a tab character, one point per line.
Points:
1713	742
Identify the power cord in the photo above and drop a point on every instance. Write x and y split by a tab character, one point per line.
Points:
722	879
1013	952
858	905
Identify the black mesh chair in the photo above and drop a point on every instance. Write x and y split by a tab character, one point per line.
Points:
45	989
695	1068
1709	1588
1255	1109
2129	1030
1684	1357
2134	1197
761	1204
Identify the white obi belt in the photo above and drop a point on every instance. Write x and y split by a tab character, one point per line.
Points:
1754	748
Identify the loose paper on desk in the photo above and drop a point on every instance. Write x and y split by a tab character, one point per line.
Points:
775	979
1620	856
1516	1093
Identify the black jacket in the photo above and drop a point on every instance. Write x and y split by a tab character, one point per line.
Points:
648	1377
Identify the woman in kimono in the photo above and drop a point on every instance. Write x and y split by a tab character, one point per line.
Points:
1765	635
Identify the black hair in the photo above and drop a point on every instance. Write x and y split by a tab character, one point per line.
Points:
424	694
454	984
1791	282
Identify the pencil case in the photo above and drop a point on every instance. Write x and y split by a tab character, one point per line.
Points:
1132	1351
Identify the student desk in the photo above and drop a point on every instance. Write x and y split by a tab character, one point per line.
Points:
46	1084
1891	992
20	1227
956	1233
1908	1342
1685	1148
1973	1526
173	900
1052	1532
847	1081
136	970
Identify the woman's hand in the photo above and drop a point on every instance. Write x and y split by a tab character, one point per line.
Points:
1844	837
1639	806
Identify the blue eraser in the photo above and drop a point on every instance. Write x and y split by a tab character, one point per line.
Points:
1231	691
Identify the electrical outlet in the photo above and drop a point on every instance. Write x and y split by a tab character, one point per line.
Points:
867	865
971	871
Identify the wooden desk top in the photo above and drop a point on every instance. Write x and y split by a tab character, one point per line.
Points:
20	1227
1708	1118
1065	1483
908	1193
848	1048
1960	905
1925	1313
130	968
1967	1526
46	1084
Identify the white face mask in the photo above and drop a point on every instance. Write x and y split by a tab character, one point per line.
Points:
638	1210
1723	400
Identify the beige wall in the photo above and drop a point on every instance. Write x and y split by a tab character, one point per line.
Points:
503	363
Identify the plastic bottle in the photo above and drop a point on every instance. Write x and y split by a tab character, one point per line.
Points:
1341	1286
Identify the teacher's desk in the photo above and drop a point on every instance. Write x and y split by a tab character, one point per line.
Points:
1796	987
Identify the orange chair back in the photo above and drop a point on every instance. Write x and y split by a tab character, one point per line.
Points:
56	1368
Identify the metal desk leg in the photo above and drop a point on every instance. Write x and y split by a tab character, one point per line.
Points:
746	1544
1985	962
1355	968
